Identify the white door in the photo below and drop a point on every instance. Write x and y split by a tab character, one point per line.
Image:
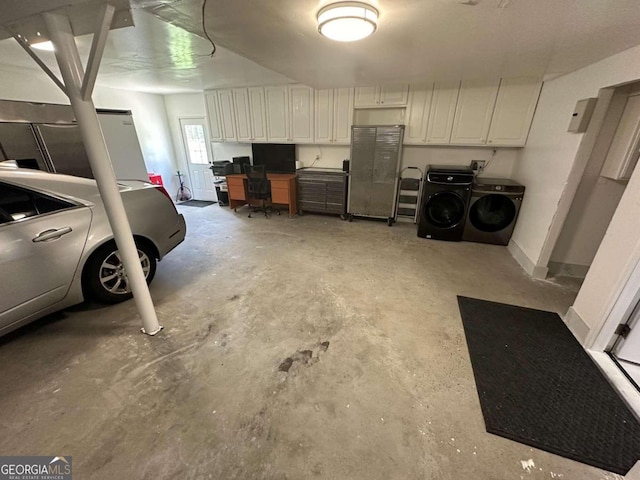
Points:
227	116
474	111
629	348
196	146
442	111
277	105
515	106
301	104
213	114
367	97
394	95
324	116
258	116
342	115
242	114
418	113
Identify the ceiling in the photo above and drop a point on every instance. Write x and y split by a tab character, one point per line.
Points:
276	41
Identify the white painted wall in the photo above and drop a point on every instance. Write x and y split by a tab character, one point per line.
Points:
544	166
545	163
616	258
595	200
188	105
500	166
148	111
331	156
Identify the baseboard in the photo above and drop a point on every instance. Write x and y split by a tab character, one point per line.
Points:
577	325
525	262
568	269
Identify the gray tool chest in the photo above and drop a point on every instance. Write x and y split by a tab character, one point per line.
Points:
322	190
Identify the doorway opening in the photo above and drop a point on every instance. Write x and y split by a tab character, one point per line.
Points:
198	156
604	180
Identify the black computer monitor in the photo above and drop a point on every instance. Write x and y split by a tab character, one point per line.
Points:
276	157
239	163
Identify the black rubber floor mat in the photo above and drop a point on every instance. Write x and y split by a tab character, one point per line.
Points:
538	386
197	203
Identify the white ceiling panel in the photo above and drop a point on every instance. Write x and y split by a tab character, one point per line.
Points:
276	41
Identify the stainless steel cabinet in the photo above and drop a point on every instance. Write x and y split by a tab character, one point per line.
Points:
376	152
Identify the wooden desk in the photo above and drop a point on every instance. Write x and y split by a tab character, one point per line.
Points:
283	190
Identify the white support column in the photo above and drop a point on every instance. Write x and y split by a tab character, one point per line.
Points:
72	72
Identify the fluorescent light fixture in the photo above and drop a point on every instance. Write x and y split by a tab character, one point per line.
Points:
48	46
347	21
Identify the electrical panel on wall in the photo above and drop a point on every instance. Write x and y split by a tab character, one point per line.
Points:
582	115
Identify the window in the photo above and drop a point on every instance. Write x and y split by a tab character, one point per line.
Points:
196	143
17	203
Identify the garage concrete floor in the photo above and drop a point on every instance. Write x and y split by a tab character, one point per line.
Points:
379	384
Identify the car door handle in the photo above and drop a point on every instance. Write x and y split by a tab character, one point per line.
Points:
52	234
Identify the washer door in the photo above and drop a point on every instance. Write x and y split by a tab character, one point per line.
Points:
492	213
444	210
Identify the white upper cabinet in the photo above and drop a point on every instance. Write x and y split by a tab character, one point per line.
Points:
301	119
387	96
474	111
515	106
342	115
333	115
227	115
258	114
418	113
441	114
324	116
625	147
277	106
394	95
213	116
367	97
243	114
250	114
492	113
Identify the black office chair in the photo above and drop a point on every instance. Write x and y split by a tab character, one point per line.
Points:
259	187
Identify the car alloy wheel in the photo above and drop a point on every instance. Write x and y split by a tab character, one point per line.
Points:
113	276
105	278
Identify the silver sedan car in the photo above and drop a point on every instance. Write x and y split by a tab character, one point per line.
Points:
57	247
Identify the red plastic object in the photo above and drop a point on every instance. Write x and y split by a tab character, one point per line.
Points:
155	178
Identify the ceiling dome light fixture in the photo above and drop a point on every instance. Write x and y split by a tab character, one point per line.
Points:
347	21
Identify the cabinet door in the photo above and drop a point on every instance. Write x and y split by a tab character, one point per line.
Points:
515	106
625	146
258	117
367	97
277	105
342	115
242	114
301	121
473	112
324	116
442	111
418	113
394	95
227	116
213	116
